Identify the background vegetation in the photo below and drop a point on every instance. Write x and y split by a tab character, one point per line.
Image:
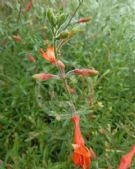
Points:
36	131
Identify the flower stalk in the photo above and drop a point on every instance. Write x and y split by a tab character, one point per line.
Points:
62	76
82	155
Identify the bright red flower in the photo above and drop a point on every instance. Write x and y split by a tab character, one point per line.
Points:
78	139
43	76
31	58
81	156
50	56
85	72
83	20
125	161
29	5
17	38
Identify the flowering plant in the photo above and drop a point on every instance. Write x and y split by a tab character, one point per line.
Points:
42	139
61	34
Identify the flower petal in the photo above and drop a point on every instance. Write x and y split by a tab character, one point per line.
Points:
81	155
49	55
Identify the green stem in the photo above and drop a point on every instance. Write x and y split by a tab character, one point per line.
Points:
70	19
62	76
72	106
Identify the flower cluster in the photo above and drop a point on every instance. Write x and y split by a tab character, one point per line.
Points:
50	57
82	155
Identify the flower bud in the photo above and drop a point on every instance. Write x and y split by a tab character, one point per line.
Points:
83	20
61	19
31	58
85	72
51	17
44	76
61	66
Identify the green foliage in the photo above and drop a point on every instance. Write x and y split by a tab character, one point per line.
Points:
35	127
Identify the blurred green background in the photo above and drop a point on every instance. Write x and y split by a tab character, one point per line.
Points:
36	131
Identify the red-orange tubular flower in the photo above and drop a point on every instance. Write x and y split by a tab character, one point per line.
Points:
83	20
50	56
81	155
85	72
29	5
31	58
125	161
44	76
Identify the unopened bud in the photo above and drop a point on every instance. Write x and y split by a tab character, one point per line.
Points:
85	72
31	58
51	17
61	66
83	20
43	76
61	19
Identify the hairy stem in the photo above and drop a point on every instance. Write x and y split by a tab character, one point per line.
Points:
56	50
72	106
